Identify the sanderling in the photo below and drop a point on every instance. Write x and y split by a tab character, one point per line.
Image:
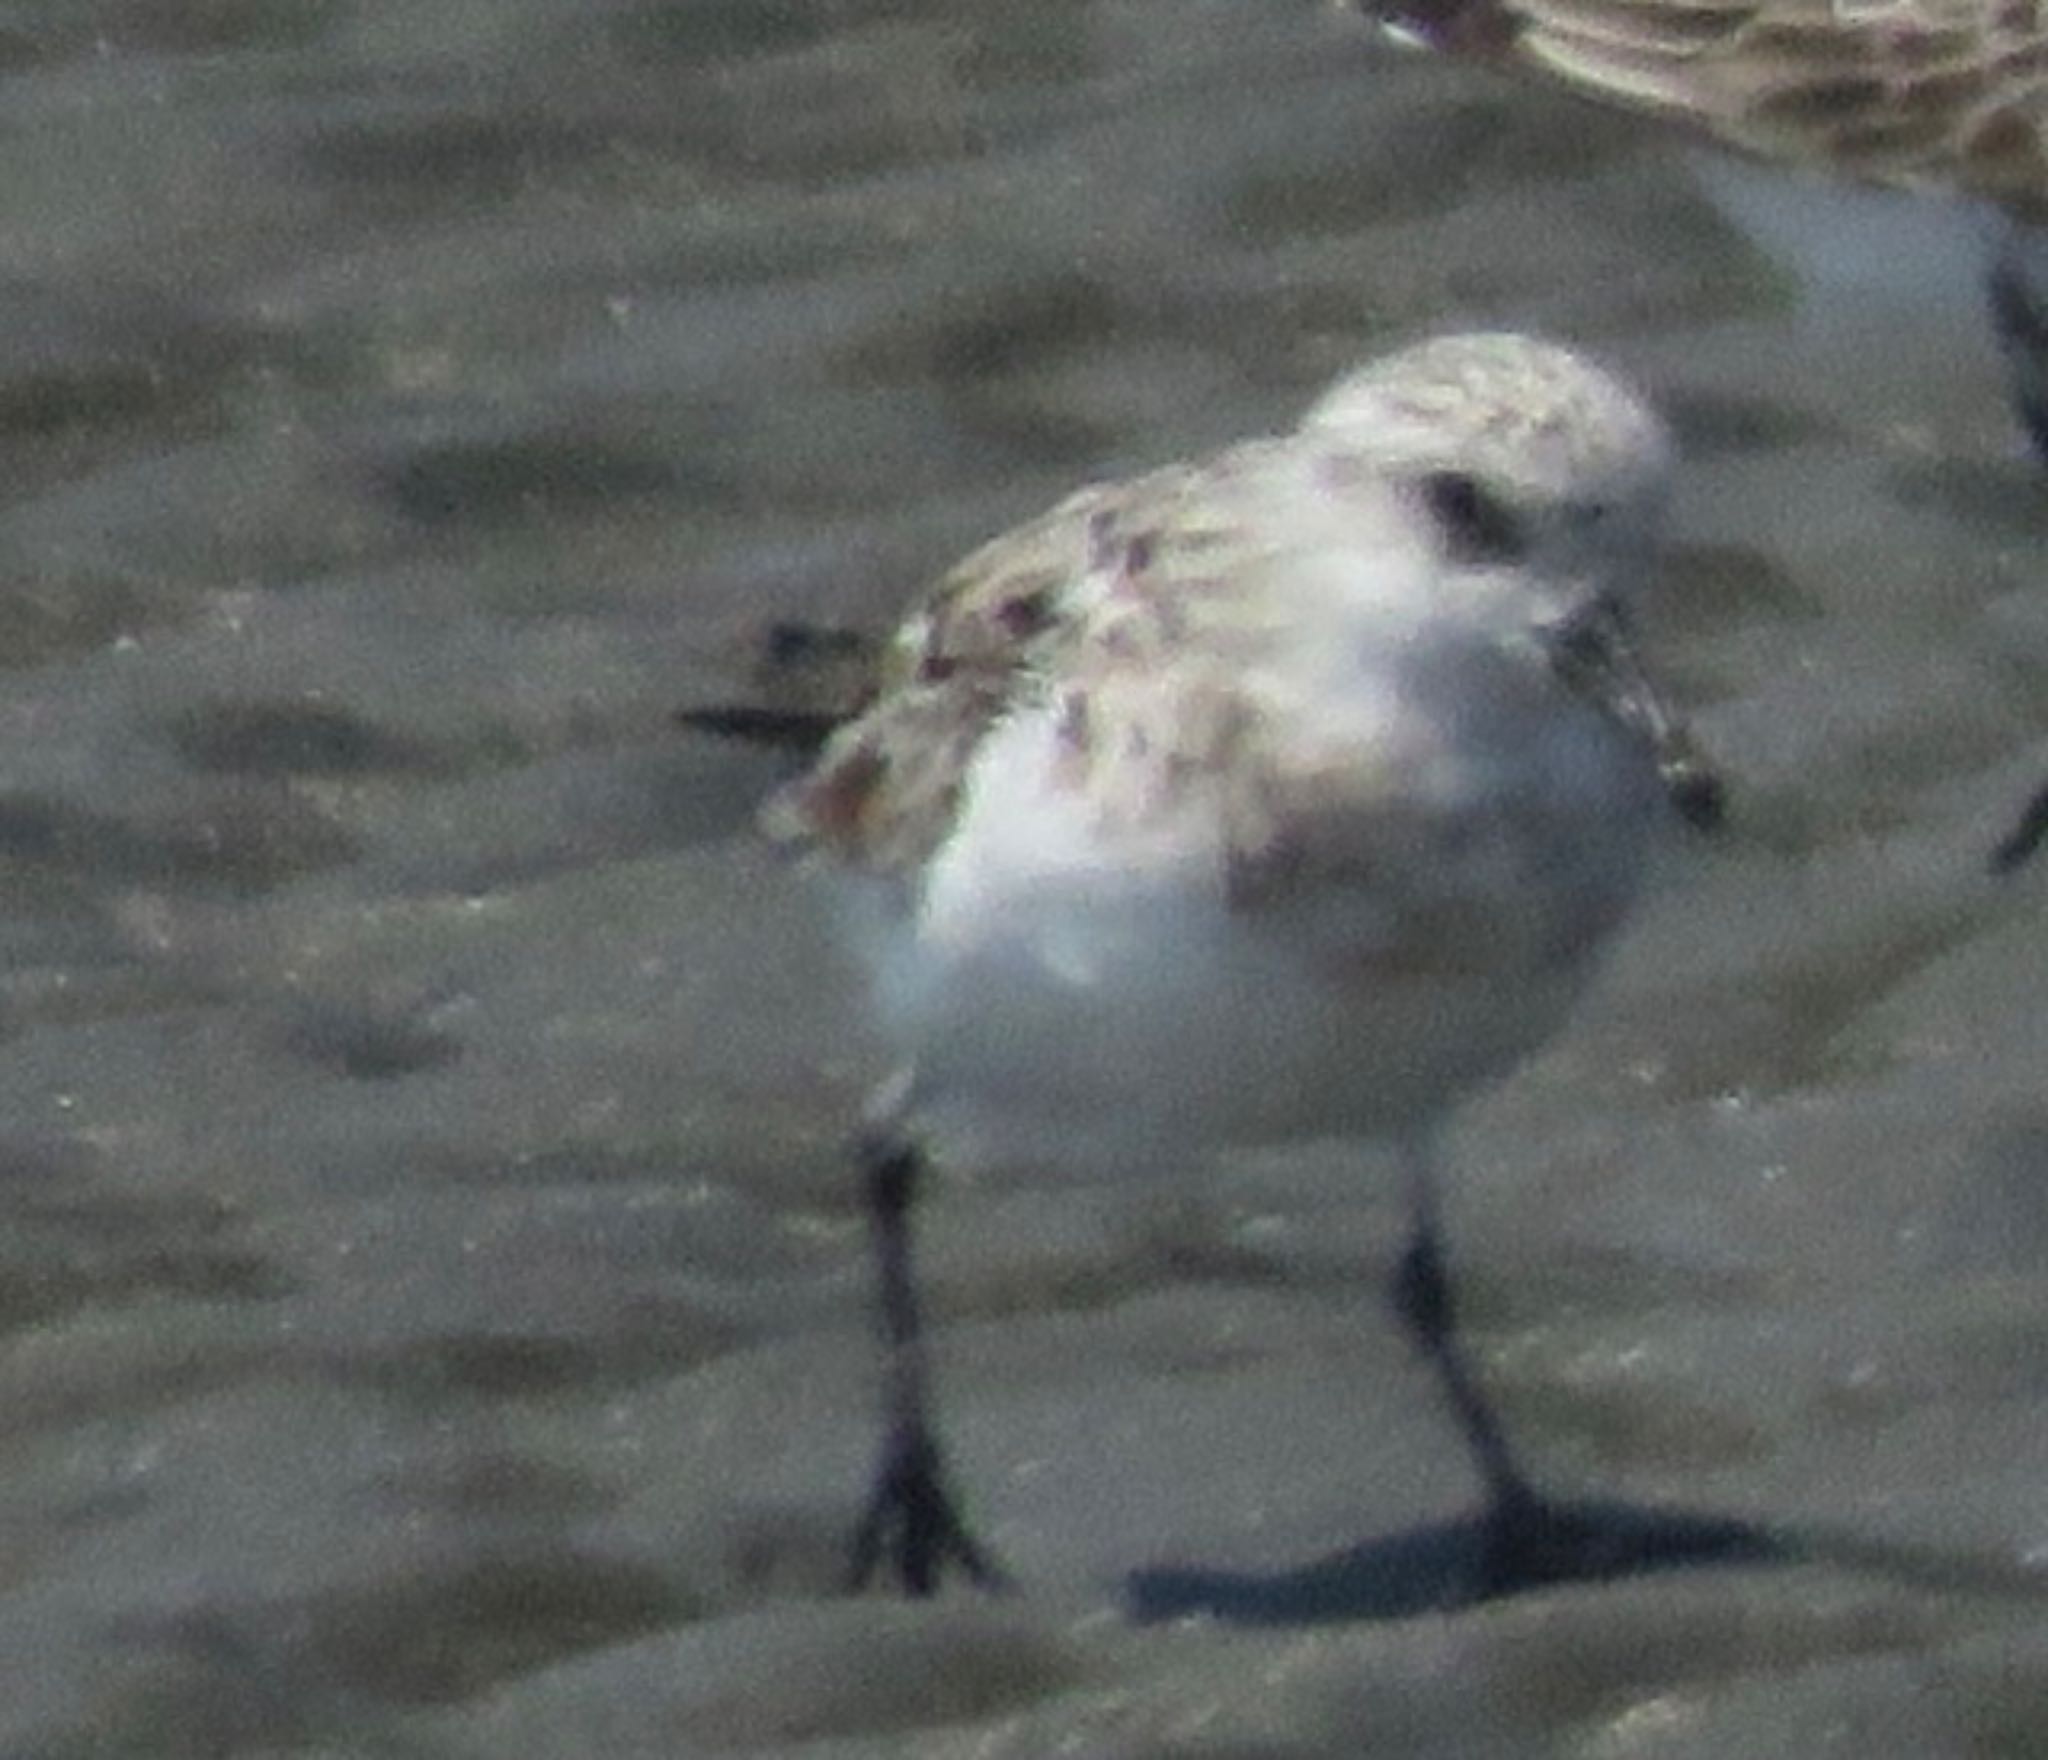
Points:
1288	794
1947	95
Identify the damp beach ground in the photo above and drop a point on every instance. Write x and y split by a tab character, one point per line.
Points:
432	1298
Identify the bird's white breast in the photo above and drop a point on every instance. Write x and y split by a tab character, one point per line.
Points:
1086	984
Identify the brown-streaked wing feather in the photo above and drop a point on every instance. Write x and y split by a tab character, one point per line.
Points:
884	791
1913	93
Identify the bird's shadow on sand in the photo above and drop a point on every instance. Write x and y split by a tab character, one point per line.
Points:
1454	1565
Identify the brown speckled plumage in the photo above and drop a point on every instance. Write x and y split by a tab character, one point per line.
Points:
884	789
1911	93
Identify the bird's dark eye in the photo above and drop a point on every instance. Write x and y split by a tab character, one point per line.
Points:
1478	528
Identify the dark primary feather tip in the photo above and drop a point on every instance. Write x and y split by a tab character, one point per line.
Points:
1455	27
2017	847
796	730
804	679
791	642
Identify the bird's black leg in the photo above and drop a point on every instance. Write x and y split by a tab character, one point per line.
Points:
2018	845
910	1520
2017	287
1524	1539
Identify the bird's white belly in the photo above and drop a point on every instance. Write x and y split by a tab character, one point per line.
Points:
1064	1008
1137	1067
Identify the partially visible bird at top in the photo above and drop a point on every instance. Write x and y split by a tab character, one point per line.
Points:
1945	95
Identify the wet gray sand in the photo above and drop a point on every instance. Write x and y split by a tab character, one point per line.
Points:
433	1299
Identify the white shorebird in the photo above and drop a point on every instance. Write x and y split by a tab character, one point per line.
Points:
1287	794
1945	95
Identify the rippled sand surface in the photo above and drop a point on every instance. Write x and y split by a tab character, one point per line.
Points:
432	1296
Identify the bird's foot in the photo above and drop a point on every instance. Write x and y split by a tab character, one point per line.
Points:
1526	1541
911	1522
